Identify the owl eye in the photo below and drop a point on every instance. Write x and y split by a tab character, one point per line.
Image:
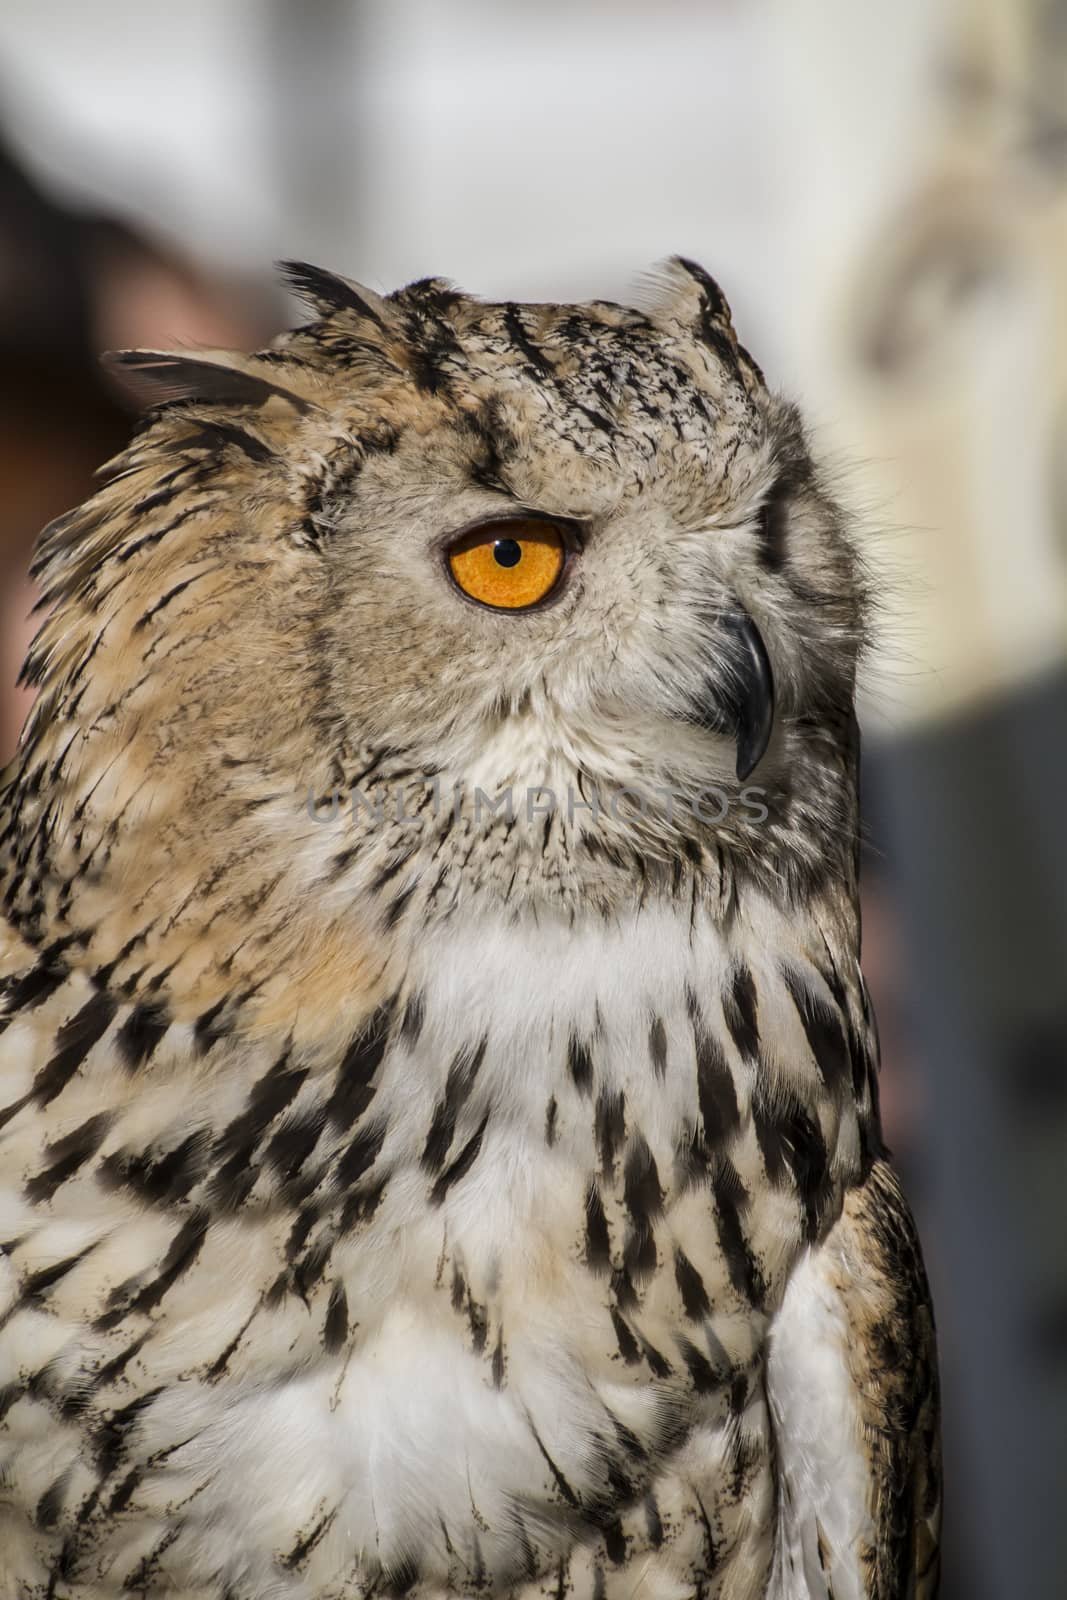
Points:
512	564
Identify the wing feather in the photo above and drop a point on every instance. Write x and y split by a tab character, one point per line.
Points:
852	1379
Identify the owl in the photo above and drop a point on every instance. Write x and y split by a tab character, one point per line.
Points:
439	1140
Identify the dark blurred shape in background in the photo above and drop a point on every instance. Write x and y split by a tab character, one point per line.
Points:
882	192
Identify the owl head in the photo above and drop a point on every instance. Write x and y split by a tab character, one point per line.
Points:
341	598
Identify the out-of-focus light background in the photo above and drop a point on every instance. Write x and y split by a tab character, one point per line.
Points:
882	192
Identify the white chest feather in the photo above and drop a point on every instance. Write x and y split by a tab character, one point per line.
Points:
501	1274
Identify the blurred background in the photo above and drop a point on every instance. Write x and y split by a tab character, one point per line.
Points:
882	192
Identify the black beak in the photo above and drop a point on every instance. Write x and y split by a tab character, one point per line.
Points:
744	705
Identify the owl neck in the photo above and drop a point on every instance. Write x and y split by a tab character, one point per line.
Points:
240	900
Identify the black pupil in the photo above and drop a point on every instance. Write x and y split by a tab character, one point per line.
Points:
507	552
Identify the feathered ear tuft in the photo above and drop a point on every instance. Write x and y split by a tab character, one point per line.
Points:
327	291
682	291
160	378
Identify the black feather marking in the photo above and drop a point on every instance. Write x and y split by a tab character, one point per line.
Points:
111	1437
458	1085
104	974
644	1201
141	1032
42	980
595	418
731	1198
165	599
325	291
560	1481
614	1542
412	1020
622	1287
461	1165
219	435
66	1156
74	1041
824	1032
580	1064
335	1328
657	1046
234	1180
701	1372
304	1546
522	341
773	525
499	1361
222	1360
427	358
692	1160
309	1270
294	1141
209	1027
739	1394
397	906
641	1186
105	1375
361	1205
551	1116
181	1253
147	1569
739	1009
479	1324
610	1127
597	1238
63	1568
300	1231
12	1110
125	1491
716	1093
353	1090
361	1154
127	552
8	1396
792	1145
658	1364
37	1284
691	1287
859	1054
161	1178
628	1346
163	378
51	1503
267	1099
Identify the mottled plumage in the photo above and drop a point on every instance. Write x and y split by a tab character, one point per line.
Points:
404	1190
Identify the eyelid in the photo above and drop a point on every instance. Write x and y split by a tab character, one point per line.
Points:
573	532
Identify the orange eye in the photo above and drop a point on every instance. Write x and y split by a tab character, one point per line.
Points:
510	565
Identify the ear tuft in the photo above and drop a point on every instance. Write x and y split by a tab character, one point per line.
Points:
681	291
327	292
160	378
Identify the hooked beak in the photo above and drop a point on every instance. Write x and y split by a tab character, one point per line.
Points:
744	704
